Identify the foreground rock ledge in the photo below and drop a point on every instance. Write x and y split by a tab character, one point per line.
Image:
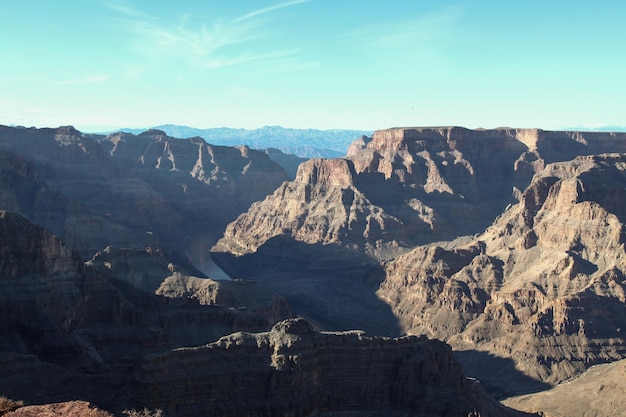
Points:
293	370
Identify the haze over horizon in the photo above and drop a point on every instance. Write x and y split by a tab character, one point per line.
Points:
103	65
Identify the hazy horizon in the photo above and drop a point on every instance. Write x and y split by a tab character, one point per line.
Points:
106	65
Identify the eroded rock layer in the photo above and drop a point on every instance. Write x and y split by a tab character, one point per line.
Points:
293	370
408	186
70	330
131	190
401	188
544	286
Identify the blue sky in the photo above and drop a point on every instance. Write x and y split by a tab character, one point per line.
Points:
107	64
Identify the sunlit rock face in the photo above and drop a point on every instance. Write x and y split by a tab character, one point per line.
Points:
408	186
544	285
341	219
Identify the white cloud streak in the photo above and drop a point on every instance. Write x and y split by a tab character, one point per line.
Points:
213	44
88	79
424	32
270	9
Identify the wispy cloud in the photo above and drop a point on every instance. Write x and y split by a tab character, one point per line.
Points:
125	8
424	32
88	79
276	56
270	9
211	44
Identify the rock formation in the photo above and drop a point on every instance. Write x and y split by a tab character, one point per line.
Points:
147	270
403	188
406	187
129	190
293	370
70	330
544	286
65	409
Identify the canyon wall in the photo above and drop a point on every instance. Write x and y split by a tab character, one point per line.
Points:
293	370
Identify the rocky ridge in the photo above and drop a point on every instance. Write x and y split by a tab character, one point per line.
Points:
293	370
131	190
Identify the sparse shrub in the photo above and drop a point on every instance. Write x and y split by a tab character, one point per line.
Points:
143	413
7	404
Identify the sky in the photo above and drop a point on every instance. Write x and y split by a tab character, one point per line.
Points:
325	64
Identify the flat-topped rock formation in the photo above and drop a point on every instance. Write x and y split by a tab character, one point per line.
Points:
293	370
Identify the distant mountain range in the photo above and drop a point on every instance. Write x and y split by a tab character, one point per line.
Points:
305	143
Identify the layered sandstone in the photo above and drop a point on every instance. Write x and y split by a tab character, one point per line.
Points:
544	286
69	330
293	370
408	186
403	188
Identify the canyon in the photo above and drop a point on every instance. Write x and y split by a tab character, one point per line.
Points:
387	282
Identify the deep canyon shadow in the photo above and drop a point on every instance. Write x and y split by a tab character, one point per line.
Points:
498	375
332	287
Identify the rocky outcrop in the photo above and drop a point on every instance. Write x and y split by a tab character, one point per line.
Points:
408	186
322	205
544	286
69	330
66	409
147	270
293	370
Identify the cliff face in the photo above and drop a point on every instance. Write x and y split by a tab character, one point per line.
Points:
69	330
131	191
544	285
403	188
22	240
409	186
293	370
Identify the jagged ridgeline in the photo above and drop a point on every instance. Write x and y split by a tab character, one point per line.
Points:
506	244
